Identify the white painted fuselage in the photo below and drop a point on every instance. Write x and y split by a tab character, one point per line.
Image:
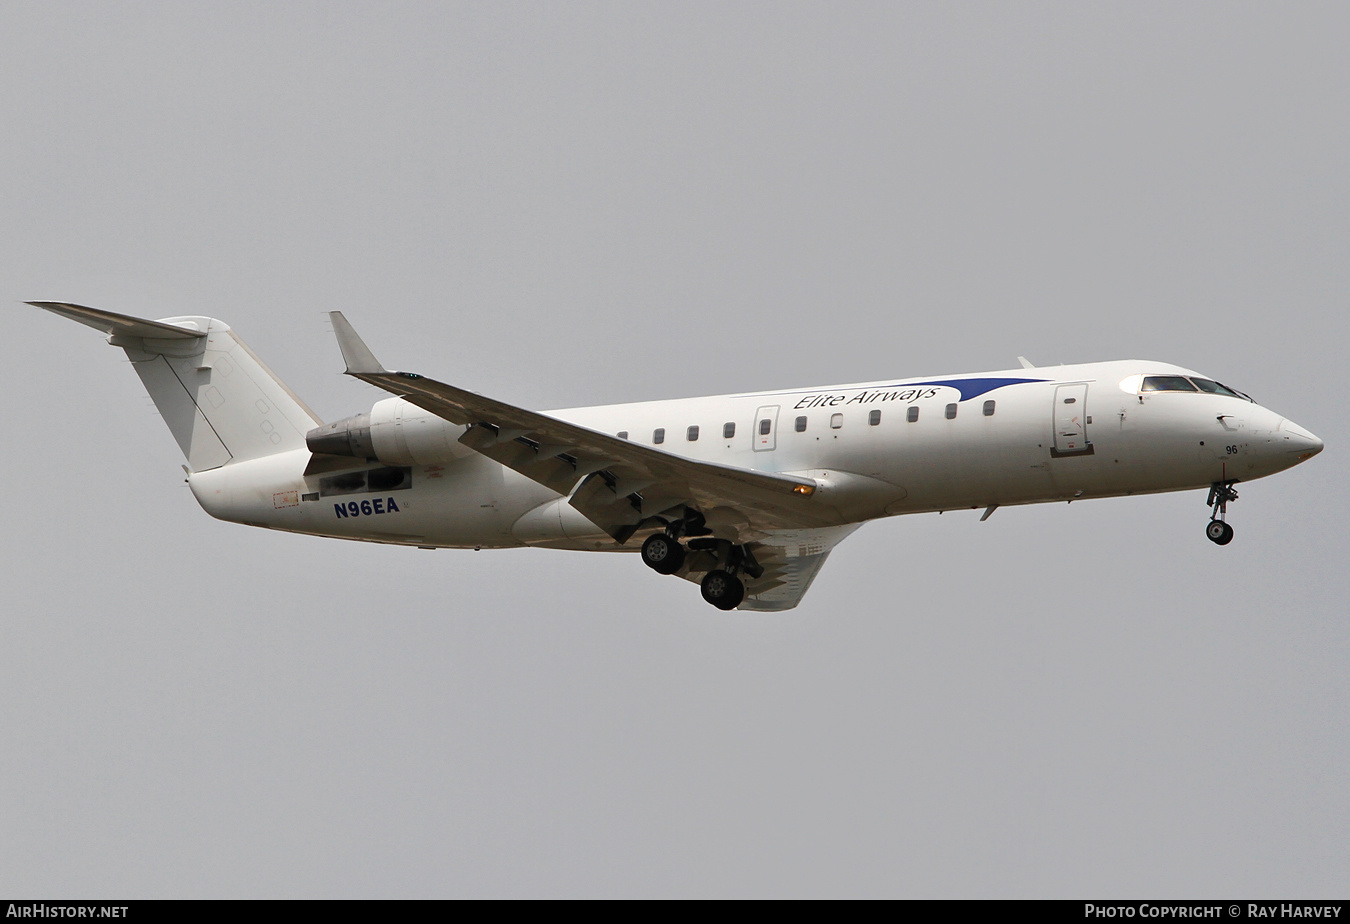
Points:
877	449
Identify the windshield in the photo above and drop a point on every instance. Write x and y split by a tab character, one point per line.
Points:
1191	384
1214	388
1167	383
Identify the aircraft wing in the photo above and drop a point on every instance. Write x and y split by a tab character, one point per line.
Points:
615	483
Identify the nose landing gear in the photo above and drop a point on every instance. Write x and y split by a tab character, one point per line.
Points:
1219	532
1220	493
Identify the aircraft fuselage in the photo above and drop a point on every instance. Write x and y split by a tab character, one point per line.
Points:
744	494
876	449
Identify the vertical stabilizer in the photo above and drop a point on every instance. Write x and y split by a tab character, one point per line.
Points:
221	402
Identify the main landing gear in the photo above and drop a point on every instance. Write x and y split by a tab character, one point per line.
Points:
721	586
663	553
722	589
724	561
1220	493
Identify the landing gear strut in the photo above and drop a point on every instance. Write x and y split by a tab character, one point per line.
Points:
1220	493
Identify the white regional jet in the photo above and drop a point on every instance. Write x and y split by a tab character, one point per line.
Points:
744	494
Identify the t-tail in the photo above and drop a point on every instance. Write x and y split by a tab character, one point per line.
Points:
222	404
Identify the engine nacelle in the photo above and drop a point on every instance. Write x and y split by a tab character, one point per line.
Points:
395	432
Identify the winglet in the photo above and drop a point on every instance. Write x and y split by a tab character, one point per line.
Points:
355	353
1026	363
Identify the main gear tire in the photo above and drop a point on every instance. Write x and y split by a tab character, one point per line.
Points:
722	589
662	554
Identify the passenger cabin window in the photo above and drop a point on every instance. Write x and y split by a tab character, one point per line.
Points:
692	433
988	409
622	434
659	435
765	426
836	421
728	429
913	413
951	412
1167	383
800	425
874	418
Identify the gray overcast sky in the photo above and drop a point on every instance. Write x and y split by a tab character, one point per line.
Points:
564	204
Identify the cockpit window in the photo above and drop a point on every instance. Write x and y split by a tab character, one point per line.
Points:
1193	384
1214	388
1167	383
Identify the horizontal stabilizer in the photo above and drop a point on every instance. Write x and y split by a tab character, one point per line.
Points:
112	323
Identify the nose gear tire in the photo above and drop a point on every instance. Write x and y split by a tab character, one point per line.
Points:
1219	532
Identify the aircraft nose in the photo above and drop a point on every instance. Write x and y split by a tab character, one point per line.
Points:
1298	440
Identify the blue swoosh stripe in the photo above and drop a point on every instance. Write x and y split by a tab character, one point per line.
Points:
973	388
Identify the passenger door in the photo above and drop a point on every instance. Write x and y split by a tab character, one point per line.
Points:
1071	422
